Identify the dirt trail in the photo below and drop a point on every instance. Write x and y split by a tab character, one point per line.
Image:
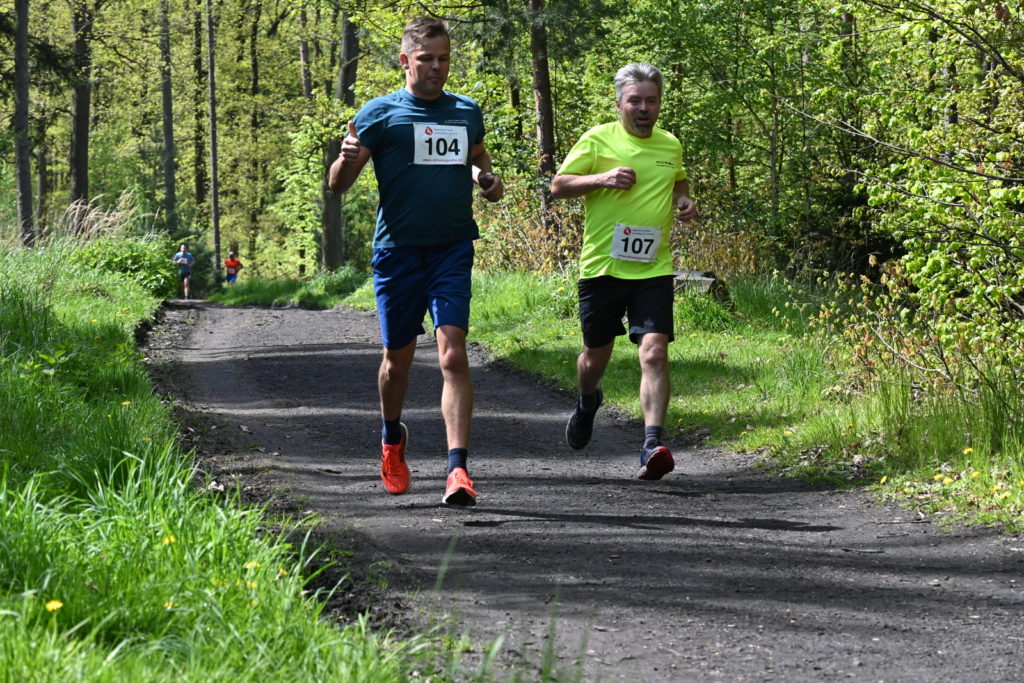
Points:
719	571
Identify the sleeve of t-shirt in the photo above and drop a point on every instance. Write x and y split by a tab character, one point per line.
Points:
480	124
370	124
580	159
681	172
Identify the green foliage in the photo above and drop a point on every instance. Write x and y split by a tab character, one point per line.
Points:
145	260
514	236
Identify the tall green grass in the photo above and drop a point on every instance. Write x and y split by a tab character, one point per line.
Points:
113	565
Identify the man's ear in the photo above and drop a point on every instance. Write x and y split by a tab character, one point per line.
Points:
403	59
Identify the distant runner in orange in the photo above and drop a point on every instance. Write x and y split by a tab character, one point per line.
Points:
231	267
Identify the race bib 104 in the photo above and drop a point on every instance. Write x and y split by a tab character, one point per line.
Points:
440	145
636	242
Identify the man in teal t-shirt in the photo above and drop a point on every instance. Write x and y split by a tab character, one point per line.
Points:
631	176
427	147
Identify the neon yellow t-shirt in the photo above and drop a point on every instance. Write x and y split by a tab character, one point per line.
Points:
626	232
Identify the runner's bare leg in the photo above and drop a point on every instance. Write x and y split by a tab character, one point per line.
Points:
393	379
457	395
655	382
590	366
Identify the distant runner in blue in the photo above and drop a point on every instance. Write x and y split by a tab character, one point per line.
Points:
185	261
427	147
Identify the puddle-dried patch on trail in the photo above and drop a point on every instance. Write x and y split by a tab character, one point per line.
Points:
718	571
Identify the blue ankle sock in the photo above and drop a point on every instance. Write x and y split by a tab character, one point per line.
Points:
392	432
457	457
652	439
652	436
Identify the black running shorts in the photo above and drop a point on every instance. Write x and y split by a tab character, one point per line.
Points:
604	300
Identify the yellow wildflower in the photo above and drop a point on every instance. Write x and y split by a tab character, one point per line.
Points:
938	477
968	450
126	403
169	604
54	605
975	474
883	479
947	481
169	539
252	564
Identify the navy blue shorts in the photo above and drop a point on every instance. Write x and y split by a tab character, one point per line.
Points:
646	303
410	281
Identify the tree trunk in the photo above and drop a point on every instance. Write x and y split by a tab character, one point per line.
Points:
214	182
335	248
43	187
22	147
200	180
307	78
170	164
81	101
255	128
545	109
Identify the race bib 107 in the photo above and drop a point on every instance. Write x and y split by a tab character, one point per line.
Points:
440	145
636	242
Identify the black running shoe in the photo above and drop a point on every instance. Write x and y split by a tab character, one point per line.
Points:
581	424
657	463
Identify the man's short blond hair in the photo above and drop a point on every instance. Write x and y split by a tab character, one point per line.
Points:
419	30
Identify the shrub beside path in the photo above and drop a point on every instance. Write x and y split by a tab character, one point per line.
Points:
719	571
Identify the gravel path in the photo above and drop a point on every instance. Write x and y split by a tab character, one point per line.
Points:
718	572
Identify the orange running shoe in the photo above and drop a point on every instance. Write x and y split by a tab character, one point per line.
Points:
459	489
393	470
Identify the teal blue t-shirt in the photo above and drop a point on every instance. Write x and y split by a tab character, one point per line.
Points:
421	158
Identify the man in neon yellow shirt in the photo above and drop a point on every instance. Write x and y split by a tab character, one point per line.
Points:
631	176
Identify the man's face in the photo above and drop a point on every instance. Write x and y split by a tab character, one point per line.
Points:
426	67
639	107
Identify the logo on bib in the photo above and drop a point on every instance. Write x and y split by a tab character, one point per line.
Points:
428	130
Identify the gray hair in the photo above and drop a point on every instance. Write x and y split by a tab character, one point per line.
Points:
636	73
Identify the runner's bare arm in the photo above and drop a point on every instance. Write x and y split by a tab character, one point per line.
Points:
566	185
483	174
685	207
349	163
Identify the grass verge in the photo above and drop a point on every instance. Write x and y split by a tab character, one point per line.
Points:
113	566
323	290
